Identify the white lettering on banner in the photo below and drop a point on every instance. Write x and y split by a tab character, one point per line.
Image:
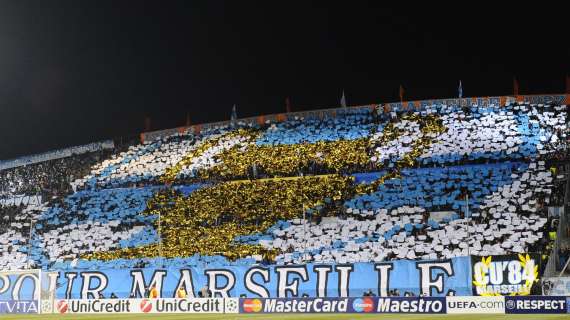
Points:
5	283
514	275
302	306
186	283
213	282
20	286
343	279
51	280
70	279
170	305
20	281
254	286
475	304
388	305
283	284
322	272
138	285
264	282
383	277
86	289
540	304
426	271
15	306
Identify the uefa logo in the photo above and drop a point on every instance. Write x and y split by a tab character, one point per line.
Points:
510	304
363	305
231	305
252	305
47	306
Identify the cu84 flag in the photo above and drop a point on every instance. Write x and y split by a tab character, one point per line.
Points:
505	275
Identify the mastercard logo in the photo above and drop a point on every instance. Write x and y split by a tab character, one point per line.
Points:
252	305
363	305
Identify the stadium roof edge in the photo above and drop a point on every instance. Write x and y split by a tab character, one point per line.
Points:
152	135
536	98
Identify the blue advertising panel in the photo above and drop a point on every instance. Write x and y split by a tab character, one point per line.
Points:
535	304
18	306
294	305
417	305
411	305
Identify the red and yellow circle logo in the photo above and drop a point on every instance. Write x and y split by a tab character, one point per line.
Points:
252	305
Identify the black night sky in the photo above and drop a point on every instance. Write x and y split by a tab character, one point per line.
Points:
74	72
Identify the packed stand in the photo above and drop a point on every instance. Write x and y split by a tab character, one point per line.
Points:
438	183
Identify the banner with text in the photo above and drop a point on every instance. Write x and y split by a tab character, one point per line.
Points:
18	306
433	278
506	275
535	304
345	305
196	305
475	304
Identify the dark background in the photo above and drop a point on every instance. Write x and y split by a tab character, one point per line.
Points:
74	72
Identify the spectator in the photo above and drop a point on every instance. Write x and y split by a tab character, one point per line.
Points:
153	293
204	292
181	293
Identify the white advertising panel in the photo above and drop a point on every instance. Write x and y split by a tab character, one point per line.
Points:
477	304
194	305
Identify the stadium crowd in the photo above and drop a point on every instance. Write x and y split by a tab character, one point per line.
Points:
50	178
443	182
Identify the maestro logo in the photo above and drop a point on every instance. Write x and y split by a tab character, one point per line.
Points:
252	305
363	305
62	306
146	305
